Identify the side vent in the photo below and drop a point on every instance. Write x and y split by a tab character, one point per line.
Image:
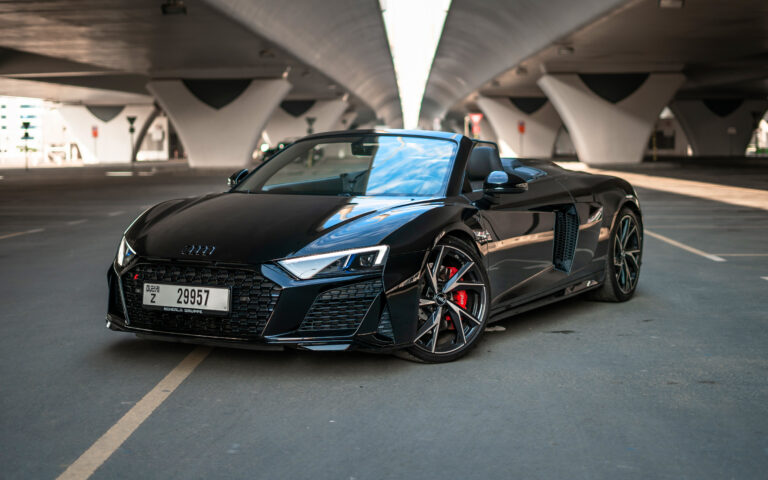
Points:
385	325
566	235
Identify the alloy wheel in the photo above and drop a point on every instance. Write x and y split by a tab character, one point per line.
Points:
452	303
626	254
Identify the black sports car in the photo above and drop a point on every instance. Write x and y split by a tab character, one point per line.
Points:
388	240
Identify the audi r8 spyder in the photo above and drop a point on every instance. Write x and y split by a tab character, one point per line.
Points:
380	240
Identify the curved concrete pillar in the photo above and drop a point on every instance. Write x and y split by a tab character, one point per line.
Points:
219	125
719	127
289	121
112	140
541	125
614	126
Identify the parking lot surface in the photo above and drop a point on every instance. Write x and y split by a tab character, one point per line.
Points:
673	384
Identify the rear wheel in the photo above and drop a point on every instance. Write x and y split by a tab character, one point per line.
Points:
453	304
622	270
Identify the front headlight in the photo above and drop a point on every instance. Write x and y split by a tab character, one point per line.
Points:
124	252
344	262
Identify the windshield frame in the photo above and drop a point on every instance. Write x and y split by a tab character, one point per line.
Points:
349	135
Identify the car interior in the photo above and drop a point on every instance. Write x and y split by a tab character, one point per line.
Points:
485	159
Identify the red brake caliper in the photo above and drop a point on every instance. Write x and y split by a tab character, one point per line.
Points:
459	296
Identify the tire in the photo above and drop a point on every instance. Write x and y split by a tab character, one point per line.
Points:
623	261
453	304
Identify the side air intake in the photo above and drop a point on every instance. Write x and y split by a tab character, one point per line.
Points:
566	235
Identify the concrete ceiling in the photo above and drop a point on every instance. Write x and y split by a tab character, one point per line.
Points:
721	47
69	93
119	44
483	39
345	39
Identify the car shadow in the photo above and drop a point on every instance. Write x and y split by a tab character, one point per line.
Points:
549	318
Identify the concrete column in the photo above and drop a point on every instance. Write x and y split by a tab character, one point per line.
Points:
613	124
290	120
719	127
345	122
541	125
102	132
219	121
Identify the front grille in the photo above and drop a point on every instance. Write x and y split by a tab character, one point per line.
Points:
253	300
341	308
566	235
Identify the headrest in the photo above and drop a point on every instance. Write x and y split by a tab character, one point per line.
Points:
482	161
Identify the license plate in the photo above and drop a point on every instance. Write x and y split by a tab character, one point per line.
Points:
185	298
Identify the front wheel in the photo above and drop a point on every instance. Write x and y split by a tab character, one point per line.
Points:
453	304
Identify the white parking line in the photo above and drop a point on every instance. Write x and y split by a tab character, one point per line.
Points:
105	446
740	254
114	214
764	278
119	174
685	247
77	222
16	234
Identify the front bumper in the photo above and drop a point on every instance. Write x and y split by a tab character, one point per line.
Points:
269	308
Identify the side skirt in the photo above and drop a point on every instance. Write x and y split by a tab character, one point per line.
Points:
586	284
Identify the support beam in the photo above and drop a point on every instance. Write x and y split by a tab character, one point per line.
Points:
540	121
102	132
610	120
719	127
219	121
289	121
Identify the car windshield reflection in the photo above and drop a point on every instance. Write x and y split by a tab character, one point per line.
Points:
372	165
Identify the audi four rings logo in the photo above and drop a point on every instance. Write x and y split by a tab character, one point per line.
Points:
199	250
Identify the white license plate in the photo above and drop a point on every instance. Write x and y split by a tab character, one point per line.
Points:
185	298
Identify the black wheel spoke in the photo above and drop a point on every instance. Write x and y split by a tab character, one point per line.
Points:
432	322
424	302
435	335
629	235
457	323
451	283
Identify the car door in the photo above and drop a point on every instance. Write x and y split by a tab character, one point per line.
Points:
521	255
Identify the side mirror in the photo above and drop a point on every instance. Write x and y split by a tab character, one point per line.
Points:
502	182
236	178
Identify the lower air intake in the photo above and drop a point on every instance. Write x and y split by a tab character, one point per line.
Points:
341	308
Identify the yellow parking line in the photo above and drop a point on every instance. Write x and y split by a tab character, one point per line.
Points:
105	446
16	234
685	247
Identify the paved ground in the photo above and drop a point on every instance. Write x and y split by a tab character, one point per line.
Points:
673	384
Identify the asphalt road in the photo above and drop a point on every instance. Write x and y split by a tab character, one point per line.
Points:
673	384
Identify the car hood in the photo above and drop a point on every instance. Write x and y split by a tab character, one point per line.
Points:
255	228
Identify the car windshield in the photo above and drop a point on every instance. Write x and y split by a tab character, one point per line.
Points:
375	165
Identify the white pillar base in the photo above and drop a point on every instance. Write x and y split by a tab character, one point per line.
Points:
224	137
113	141
284	126
713	135
541	128
607	133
